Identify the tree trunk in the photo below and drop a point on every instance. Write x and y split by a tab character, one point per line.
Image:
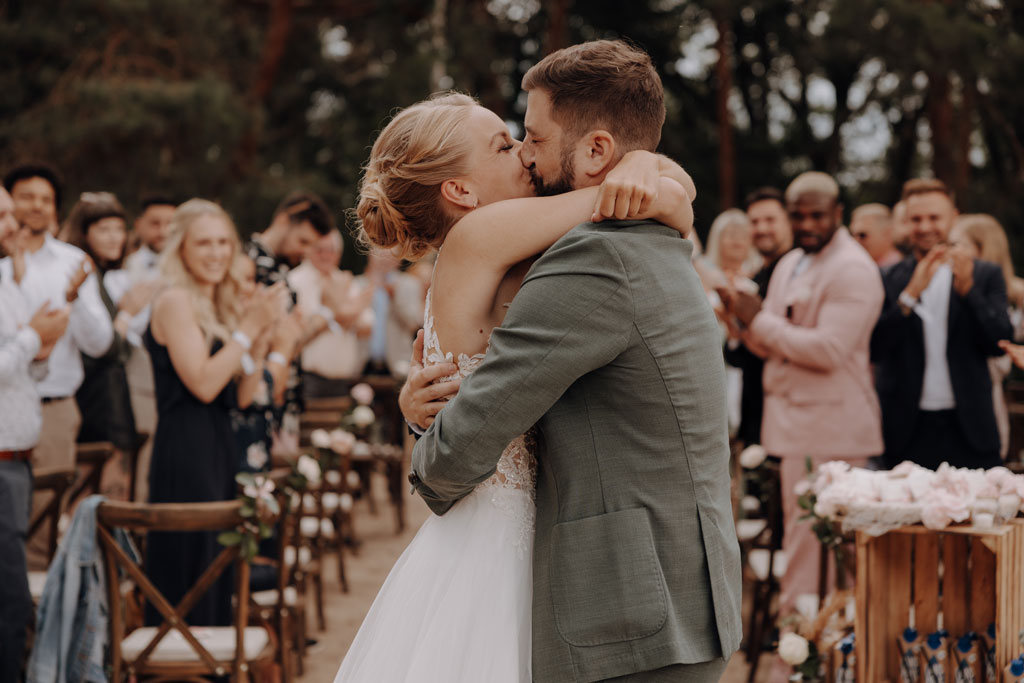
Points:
279	29
940	118
439	43
726	144
558	25
964	127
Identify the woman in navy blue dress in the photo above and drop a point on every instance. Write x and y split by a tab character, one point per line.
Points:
199	343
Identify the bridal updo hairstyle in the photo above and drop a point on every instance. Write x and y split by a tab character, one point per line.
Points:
400	204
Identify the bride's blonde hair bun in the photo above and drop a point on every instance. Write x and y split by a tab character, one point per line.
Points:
400	201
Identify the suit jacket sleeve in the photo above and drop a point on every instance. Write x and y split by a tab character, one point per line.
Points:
893	328
572	315
851	304
986	303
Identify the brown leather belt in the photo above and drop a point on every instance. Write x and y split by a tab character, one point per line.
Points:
22	456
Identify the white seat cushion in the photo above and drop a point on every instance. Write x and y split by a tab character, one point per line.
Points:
305	556
747	529
219	640
310	526
36	583
269	598
757	560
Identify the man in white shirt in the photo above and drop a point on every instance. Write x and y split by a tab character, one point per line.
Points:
142	266
332	358
58	274
943	318
23	339
396	301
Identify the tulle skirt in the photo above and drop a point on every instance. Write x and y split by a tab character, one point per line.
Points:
456	607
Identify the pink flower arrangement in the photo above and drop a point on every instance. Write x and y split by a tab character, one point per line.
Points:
878	501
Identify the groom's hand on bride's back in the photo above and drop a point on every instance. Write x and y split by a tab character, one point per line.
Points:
421	399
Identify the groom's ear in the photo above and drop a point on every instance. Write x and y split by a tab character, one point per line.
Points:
458	193
596	153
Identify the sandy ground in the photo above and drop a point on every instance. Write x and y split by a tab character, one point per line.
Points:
367	570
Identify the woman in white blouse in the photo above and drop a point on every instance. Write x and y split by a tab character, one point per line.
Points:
98	227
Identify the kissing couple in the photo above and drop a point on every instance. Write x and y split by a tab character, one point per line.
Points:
579	477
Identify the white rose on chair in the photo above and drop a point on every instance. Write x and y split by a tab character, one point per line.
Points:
362	393
320	438
752	456
794	649
363	416
308	468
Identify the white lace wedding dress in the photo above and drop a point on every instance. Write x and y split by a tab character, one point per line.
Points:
456	607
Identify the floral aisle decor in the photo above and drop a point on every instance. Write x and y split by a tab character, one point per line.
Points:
755	480
259	509
361	417
822	648
879	501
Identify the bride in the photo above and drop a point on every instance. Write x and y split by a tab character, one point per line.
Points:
445	174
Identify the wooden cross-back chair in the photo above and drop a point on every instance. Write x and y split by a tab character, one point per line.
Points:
90	458
153	653
56	481
285	604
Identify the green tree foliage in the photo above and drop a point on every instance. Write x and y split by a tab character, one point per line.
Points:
243	100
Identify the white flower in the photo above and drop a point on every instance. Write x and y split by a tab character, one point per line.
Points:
363	416
752	456
362	393
793	649
341	442
802	487
320	438
308	468
750	504
256	455
261	489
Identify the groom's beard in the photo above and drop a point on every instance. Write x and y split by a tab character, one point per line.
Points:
564	183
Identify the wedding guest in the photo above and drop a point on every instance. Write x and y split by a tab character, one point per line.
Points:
26	338
97	226
142	265
773	237
983	238
813	330
943	318
331	359
150	231
299	220
901	228
872	226
730	245
397	305
199	342
56	274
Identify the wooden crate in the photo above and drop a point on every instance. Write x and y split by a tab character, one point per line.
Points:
981	583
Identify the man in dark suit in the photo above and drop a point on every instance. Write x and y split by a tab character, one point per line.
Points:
943	317
773	237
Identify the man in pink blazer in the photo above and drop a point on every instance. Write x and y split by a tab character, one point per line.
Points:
814	329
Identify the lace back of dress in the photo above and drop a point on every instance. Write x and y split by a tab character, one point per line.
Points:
517	466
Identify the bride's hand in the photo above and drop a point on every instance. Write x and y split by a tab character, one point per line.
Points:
421	399
630	188
673	207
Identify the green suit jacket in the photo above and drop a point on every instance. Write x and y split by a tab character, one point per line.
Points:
611	349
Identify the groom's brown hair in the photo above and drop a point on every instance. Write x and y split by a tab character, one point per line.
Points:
607	84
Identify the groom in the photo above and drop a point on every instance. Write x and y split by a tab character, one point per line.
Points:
611	349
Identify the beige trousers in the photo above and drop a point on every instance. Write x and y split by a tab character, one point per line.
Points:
56	448
143	396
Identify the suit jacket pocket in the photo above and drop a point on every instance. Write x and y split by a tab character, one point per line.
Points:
606	582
